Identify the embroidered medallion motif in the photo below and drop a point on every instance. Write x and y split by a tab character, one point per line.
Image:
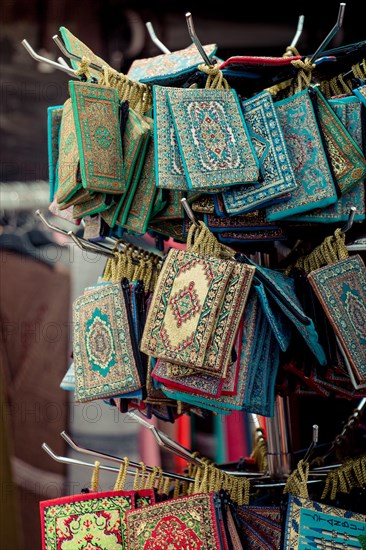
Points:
167	67
341	289
315	186
278	176
213	138
186	344
184	522
96	112
92	521
104	360
68	161
185	304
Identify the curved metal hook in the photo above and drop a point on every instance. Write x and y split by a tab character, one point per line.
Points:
189	211
70	55
332	33
155	39
300	25
42	59
197	43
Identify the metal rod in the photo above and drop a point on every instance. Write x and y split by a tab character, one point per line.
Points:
300	25
189	211
90	247
155	39
70	55
197	43
351	217
332	33
42	59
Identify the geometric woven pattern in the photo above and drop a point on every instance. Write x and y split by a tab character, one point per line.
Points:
103	354
341	289
166	67
278	176
86	521
96	112
213	138
184	307
182	523
315	186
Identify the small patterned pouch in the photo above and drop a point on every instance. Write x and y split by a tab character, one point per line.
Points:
104	346
315	185
360	93
349	111
54	116
183	522
309	522
346	157
184	307
139	213
68	177
275	166
97	202
169	69
213	138
341	289
96	519
96	113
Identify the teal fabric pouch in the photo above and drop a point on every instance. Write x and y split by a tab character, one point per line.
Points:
315	185
54	116
275	166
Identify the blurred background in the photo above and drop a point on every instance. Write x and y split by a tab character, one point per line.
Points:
38	285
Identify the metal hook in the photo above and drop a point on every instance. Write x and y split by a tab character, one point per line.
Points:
197	43
70	55
351	217
155	39
164	441
332	33
63	62
189	212
42	59
312	445
298	33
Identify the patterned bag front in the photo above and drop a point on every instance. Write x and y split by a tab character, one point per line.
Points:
213	138
93	520
183	311
77	47
341	289
276	169
68	161
168	68
309	522
315	185
104	346
184	522
96	113
54	117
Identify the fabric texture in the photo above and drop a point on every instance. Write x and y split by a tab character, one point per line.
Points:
68	161
275	166
185	522
308	522
315	185
54	116
213	138
96	114
77	47
94	520
105	364
341	289
183	311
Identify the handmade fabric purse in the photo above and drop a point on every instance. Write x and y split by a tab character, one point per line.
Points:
183	522
315	185
341	289
105	351
309	522
97	124
54	116
348	109
169	69
275	166
68	178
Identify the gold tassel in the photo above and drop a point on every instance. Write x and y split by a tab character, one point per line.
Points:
94	484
